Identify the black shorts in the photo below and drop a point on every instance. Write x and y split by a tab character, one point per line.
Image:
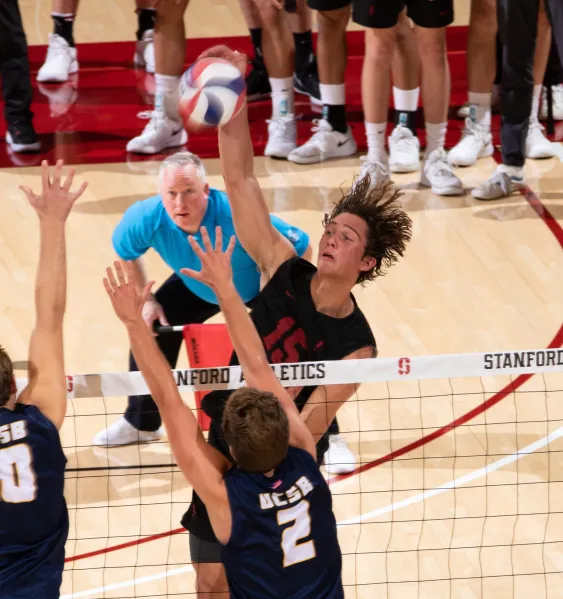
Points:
325	5
383	14
204	552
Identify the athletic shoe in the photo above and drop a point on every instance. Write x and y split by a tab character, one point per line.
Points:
257	82
476	142
502	184
339	459
282	136
404	150
123	433
21	137
438	174
144	52
377	170
557	94
324	144
60	61
537	144
307	82
159	134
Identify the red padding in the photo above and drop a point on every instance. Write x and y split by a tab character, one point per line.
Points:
208	345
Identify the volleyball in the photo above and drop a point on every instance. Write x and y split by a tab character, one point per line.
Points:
211	92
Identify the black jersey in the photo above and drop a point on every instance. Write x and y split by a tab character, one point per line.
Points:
292	330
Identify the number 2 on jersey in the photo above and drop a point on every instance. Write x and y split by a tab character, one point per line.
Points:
294	553
17	478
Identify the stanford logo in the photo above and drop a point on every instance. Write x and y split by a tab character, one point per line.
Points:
404	366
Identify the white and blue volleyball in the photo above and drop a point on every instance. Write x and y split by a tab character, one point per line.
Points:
212	92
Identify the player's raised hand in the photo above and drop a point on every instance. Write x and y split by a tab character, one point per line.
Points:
216	269
55	200
238	59
125	298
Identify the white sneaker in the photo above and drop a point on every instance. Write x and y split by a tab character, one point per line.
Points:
404	150
557	93
60	61
502	184
282	136
144	52
324	144
438	174
339	459
123	433
377	170
159	134
537	144
476	142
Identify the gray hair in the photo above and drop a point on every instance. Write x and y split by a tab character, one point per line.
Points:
180	159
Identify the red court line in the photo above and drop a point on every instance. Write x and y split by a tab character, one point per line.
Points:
557	341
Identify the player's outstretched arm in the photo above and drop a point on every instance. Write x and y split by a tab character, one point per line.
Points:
47	383
267	247
202	465
216	272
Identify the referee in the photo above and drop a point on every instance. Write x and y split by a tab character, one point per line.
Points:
517	22
163	222
16	81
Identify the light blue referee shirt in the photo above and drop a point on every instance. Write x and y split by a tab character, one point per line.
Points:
146	225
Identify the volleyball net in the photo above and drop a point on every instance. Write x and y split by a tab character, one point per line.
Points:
457	489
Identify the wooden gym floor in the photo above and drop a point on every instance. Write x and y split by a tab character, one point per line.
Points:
476	277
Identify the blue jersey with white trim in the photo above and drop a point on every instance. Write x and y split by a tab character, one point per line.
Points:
283	543
33	512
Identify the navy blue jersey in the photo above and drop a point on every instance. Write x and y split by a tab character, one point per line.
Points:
33	512
283	543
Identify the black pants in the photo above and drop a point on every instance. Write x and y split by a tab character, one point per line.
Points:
555	13
14	64
517	22
180	306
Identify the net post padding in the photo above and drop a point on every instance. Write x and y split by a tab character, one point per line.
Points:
208	345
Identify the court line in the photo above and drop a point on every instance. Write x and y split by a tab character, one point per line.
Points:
453	484
555	228
129	583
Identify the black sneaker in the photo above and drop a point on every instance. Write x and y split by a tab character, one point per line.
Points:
21	137
257	82
307	82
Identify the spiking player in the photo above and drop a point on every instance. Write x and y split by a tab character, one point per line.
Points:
272	513
33	512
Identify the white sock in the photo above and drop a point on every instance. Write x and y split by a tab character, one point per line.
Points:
435	136
480	109
406	99
166	95
535	104
511	171
282	96
333	94
375	133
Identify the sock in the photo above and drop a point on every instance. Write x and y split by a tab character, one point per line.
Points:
535	104
435	136
282	96
146	18
480	109
375	134
406	104
63	26
303	50
511	171
333	97
256	37
166	95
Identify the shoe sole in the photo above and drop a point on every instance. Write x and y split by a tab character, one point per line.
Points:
404	168
314	100
22	148
317	160
151	150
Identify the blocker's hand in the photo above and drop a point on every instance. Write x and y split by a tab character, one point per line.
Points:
55	201
126	300
216	271
238	59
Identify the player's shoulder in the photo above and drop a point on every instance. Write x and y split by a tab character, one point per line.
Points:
28	412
